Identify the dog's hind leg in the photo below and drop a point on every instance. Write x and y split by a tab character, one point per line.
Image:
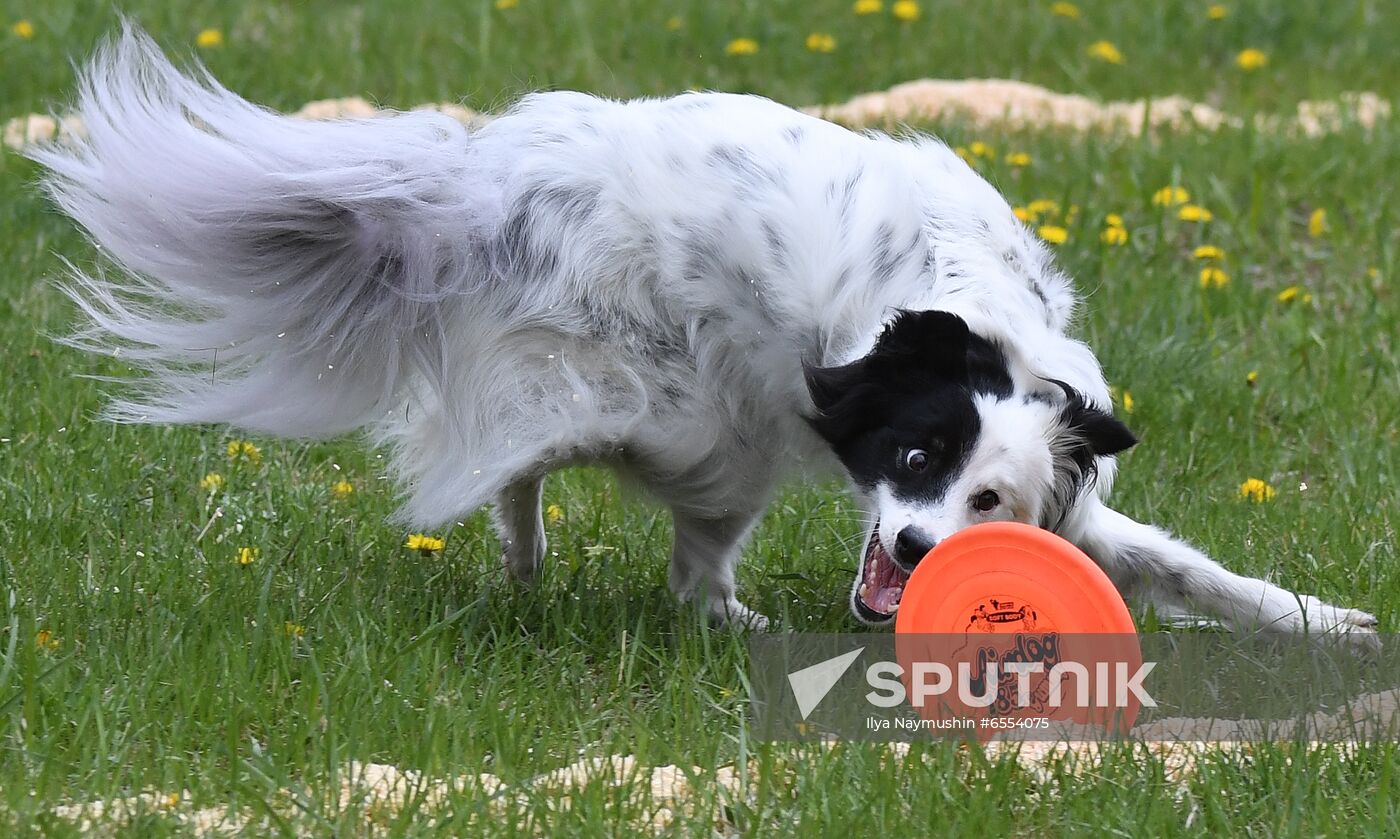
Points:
703	560
520	526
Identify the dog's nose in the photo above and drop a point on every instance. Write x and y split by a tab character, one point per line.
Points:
911	545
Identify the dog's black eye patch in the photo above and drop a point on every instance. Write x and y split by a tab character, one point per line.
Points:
913	391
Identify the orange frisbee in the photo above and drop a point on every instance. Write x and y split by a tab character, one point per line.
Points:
1003	593
1008	577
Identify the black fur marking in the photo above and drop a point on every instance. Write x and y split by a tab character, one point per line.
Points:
741	162
843	193
914	390
777	248
886	260
527	254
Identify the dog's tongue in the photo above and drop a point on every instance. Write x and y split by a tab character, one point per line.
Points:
882	582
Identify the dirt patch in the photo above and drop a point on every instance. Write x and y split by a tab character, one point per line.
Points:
979	102
992	102
655	797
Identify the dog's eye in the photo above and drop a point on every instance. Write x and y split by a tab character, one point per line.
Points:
916	460
986	501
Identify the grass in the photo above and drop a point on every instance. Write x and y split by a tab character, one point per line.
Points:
168	665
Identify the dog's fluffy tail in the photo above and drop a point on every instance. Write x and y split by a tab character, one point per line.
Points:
278	274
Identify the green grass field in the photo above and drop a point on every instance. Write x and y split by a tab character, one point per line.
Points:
138	653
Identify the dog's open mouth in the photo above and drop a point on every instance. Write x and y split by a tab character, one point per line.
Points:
881	584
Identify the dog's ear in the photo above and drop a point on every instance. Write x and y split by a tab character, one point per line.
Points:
937	340
1097	430
828	384
1101	431
915	350
927	342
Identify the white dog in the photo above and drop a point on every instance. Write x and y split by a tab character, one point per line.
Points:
702	292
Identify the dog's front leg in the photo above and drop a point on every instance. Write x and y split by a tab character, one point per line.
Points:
703	560
1145	561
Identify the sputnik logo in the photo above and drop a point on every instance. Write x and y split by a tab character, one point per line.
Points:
810	685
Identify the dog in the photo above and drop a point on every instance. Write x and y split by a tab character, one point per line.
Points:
709	293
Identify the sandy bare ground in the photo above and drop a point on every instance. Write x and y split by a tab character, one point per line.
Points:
978	102
655	796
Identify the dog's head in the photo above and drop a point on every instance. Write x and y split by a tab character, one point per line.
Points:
937	437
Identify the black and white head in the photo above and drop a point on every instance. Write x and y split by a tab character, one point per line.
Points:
938	437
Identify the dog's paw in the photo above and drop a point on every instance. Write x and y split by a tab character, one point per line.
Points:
1352	627
735	615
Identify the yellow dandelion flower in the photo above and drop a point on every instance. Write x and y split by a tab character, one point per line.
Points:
905	10
1068	10
1127	402
1373	273
981	149
1294	294
741	46
1113	220
1212	277
1251	378
821	42
209	39
1053	234
1251	59
553	514
247	556
674	23
1022	213
244	450
1018	159
507	4
1317	223
1257	490
868	7
46	640
1209	252
1105	51
294	630
967	157
1114	235
22	29
211	482
426	544
1217	12
1194	212
1044	206
342	489
1170	196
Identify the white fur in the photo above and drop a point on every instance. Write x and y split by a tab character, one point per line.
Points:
637	283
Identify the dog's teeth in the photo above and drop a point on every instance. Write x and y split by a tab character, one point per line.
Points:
864	589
